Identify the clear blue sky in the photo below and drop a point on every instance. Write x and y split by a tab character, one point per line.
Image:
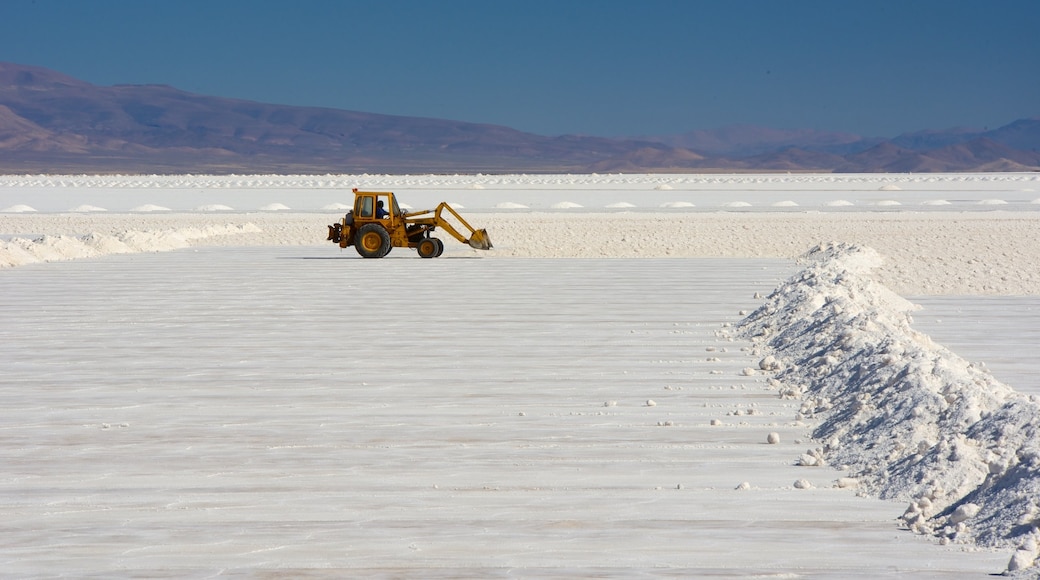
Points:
596	67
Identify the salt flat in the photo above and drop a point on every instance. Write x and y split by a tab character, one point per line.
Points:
207	390
220	411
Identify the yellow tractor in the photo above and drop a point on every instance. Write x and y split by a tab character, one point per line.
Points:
377	224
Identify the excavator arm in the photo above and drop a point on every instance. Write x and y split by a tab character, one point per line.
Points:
477	238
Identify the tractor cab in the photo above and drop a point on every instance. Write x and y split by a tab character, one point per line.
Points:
370	205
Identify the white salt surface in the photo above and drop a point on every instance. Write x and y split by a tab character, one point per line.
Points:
190	412
242	432
219	207
148	207
992	332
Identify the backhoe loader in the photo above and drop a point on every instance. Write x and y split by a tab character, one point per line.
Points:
374	230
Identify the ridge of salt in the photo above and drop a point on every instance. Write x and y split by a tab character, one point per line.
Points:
909	419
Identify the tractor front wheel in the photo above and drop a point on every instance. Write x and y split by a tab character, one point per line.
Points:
427	248
373	241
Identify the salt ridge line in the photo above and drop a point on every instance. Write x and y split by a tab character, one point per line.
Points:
907	418
47	248
346	181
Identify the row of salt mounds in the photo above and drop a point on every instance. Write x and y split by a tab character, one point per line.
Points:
907	417
21	251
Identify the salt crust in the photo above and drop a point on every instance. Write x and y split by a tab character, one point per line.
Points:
907	418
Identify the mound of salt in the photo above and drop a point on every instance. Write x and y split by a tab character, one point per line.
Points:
214	207
890	187
20	251
887	202
908	418
150	207
21	208
839	203
785	203
736	204
565	205
992	202
625	204
510	205
106	244
664	187
274	207
935	202
676	204
86	209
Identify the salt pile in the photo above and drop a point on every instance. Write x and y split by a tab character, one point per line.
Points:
908	419
22	208
21	251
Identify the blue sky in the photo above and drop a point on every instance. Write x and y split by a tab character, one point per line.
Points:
595	67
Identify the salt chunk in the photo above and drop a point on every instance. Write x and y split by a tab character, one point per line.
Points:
964	512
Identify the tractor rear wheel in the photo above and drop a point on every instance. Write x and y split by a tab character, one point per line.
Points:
427	248
440	247
373	241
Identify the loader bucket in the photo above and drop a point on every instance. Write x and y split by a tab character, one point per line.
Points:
479	240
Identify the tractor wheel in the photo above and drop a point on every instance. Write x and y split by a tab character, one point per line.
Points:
427	248
440	247
372	241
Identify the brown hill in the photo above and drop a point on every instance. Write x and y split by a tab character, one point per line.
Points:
794	159
53	123
50	119
984	151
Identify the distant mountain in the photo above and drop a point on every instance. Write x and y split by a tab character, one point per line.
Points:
54	123
743	141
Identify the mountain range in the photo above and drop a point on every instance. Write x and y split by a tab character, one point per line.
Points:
53	123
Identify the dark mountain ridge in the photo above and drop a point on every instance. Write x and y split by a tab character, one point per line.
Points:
54	123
